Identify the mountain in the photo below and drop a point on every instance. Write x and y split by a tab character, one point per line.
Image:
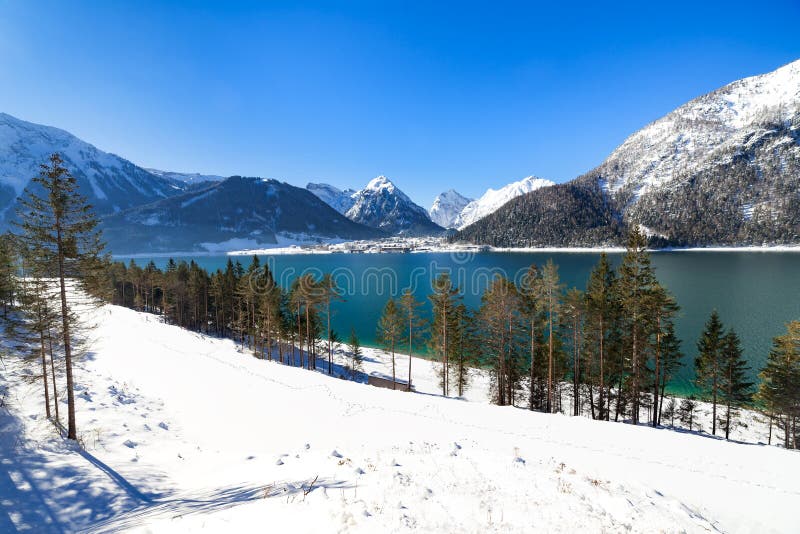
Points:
339	200
382	205
447	207
191	178
493	199
110	182
723	169
235	213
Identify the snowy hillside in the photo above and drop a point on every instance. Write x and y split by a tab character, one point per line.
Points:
185	433
382	205
187	177
705	131
109	182
494	199
447	207
339	200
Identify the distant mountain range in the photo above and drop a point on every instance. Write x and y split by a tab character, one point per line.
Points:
723	169
380	204
236	213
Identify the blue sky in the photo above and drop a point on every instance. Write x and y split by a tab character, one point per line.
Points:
434	95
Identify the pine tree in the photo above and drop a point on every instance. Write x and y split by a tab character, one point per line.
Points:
664	309
551	292
601	319
686	412
634	289
500	323
708	363
671	361
330	292
574	310
60	232
735	388
532	309
8	268
356	357
445	298
779	390
390	328
411	319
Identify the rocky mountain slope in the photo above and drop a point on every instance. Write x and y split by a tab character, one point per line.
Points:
447	207
723	169
382	205
110	182
235	213
191	178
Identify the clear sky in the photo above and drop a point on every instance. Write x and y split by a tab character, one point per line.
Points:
432	94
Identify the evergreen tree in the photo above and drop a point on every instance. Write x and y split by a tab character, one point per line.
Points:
532	307
574	311
634	289
551	293
356	357
671	361
686	412
8	280
60	232
330	292
601	319
664	310
779	390
708	363
735	388
390	328
500	324
444	299
409	307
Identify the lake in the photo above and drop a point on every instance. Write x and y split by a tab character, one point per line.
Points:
755	292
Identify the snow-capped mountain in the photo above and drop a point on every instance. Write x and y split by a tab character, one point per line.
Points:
339	200
493	199
235	213
447	207
110	182
191	178
382	205
722	169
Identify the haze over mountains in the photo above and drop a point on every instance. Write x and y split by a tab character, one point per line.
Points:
723	169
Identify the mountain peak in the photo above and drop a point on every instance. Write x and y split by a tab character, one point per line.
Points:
493	199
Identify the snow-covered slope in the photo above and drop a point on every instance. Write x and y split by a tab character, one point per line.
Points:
187	177
339	200
382	205
183	432
705	132
447	207
109	182
494	199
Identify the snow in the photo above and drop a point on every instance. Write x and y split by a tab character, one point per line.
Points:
494	199
183	432
694	135
339	200
186	177
447	207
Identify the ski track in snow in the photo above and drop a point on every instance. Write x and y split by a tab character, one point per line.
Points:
185	432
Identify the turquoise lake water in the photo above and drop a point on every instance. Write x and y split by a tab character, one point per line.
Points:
755	292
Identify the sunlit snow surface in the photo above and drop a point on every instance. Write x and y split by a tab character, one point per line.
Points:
186	433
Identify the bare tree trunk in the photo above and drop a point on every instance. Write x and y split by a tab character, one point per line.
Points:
72	430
